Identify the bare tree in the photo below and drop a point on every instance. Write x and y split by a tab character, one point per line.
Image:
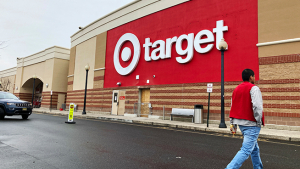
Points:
5	84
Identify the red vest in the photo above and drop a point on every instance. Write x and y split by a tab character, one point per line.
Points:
241	103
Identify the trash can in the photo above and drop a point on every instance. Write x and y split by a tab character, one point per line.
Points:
63	106
198	113
75	107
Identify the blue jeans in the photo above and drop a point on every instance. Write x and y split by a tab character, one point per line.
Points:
249	147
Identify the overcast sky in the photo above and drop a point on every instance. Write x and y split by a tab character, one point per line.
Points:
30	26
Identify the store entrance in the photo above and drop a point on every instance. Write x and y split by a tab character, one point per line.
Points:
26	91
118	102
145	102
38	95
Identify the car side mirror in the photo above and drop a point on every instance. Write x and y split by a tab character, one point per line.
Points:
19	98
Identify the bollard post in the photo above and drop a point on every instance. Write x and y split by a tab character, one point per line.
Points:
208	109
51	101
209	90
164	113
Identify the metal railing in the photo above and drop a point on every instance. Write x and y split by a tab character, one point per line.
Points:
142	109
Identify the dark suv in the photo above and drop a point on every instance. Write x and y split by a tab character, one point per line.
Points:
10	105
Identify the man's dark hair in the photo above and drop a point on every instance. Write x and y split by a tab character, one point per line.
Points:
246	74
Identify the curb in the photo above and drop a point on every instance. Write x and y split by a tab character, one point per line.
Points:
186	127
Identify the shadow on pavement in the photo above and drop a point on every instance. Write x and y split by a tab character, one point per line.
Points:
6	119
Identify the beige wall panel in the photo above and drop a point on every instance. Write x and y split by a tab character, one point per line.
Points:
280	49
8	72
70	87
100	50
85	54
46	54
43	71
36	69
28	61
48	79
19	76
99	73
277	20
60	100
128	13
72	61
279	71
40	64
70	79
63	56
60	73
98	84
12	86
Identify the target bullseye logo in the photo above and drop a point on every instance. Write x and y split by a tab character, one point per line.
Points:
126	54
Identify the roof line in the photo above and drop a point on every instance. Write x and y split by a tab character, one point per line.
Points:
125	6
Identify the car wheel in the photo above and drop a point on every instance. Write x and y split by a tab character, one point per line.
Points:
1	112
24	117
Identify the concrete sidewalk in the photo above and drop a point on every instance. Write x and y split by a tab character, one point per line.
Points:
281	133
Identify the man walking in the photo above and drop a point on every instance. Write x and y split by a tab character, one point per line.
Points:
247	112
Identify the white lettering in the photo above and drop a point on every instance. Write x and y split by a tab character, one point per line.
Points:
160	49
169	46
198	41
163	49
189	51
219	31
147	46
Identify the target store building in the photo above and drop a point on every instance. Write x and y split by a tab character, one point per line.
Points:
155	55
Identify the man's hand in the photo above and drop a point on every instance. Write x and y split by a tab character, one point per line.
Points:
233	128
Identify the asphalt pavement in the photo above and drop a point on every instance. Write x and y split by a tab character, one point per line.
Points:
269	131
45	141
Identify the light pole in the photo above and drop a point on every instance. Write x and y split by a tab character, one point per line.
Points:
34	77
87	68
222	46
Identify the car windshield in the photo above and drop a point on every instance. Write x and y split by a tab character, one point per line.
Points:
8	96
